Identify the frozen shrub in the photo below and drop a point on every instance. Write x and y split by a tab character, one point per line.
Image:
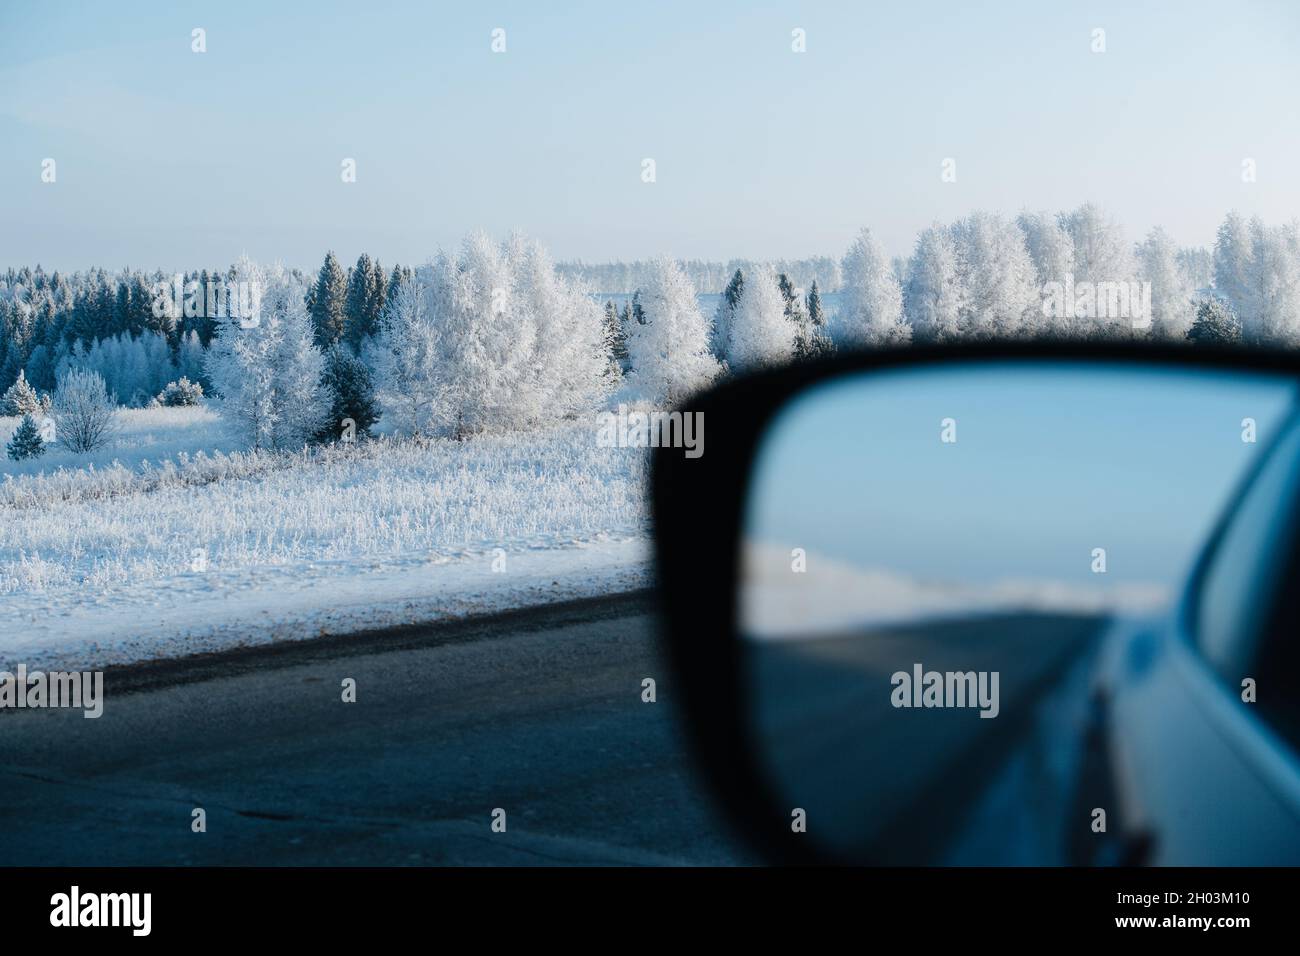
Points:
83	412
181	393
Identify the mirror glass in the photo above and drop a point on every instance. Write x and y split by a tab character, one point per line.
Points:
933	560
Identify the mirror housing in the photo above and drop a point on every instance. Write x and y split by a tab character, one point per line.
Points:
698	519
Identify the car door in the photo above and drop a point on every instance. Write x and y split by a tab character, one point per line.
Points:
1202	722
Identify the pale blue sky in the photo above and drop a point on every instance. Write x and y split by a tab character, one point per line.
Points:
172	159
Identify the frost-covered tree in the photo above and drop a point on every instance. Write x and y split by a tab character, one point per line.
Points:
794	312
615	336
871	310
1215	323
722	316
1234	266
1274	275
190	356
491	339
485	336
20	398
405	357
1101	253
267	374
1050	247
999	287
26	441
933	298
1197	266
812	340
181	393
816	312
134	369
761	332
1171	294
84	414
670	349
569	368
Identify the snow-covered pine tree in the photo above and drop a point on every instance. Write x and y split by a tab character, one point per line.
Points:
26	441
670	351
181	393
761	332
1215	323
20	398
615	336
816	312
722	316
811	340
400	274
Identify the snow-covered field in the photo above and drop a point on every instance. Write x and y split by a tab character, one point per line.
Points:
146	434
162	548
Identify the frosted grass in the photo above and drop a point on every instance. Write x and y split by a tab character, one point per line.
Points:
119	524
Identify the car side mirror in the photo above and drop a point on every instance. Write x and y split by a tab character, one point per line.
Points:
887	583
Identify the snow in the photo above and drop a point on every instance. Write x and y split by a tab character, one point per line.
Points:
832	597
219	610
97	565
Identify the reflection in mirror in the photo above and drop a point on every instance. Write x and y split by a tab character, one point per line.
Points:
932	559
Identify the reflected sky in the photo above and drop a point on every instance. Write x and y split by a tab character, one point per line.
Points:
1051	460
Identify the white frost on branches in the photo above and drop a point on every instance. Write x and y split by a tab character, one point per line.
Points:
487	340
871	308
267	376
760	333
669	349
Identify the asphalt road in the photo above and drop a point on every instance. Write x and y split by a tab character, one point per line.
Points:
924	786
537	713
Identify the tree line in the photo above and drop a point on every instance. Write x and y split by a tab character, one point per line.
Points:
495	335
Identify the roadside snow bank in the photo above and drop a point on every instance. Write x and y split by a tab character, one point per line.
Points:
834	597
219	610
